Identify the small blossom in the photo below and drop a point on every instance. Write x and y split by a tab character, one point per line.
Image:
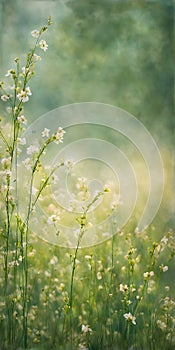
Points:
35	33
162	325
99	275
37	57
54	260
23	96
164	240
52	219
10	73
5	162
86	329
147	275
163	268
21	140
69	163
59	135
88	257
123	288
130	318
28	91
22	119
43	45
32	149
45	132
25	70
4	98
9	109
27	164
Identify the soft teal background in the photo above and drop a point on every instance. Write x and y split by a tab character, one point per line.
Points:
110	51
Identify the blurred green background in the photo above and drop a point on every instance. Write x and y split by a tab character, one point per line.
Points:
109	51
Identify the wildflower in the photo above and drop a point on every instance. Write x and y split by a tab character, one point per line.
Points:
10	73
54	260
28	91
23	96
27	164
81	184
21	140
45	132
43	45
54	179
5	162
25	70
147	275
52	219
164	240
35	33
9	109
88	257
22	119
37	57
99	275
69	163
59	135
123	288
4	98
162	325
86	329
32	149
130	318
163	268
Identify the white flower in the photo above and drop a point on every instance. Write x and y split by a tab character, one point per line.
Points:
148	274
123	288
45	132
99	275
37	57
27	164
43	45
52	219
22	119
163	268
25	70
21	140
88	257
69	163
86	329
35	33
81	184
23	96
162	325
54	179
130	318
5	162
4	98
9	109
32	149
59	135
28	91
10	73
54	260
